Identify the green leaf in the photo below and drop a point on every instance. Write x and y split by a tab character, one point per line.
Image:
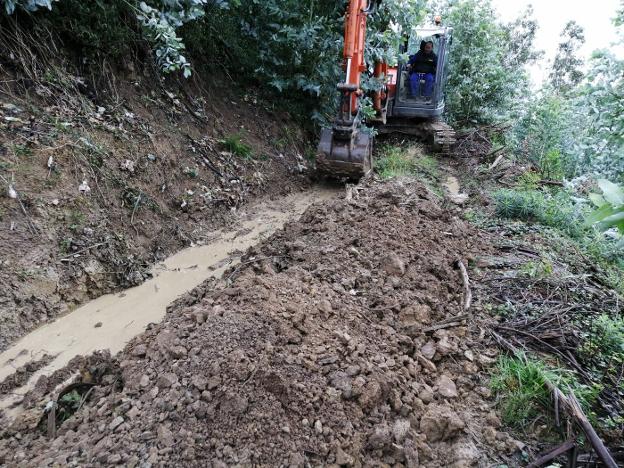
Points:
597	200
612	192
600	214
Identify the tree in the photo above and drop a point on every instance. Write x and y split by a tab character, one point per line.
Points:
487	62
566	73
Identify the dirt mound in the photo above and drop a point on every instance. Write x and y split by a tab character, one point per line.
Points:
341	340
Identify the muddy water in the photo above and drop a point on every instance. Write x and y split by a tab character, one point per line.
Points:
110	321
451	185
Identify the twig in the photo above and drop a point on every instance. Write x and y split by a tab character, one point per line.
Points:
496	161
466	280
69	257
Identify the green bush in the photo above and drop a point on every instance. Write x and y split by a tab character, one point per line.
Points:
556	211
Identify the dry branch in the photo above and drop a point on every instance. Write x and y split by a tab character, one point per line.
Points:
466	280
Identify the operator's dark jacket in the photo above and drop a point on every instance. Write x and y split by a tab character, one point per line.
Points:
424	63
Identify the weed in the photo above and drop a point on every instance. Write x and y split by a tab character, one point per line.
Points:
76	219
541	269
556	211
529	181
551	165
604	344
22	151
193	173
235	145
65	245
394	162
520	384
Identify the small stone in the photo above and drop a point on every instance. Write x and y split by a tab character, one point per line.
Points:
213	382
114	459
118	421
98	325
400	429
393	265
343	458
429	350
165	436
318	427
446	387
426	396
380	437
133	412
139	350
145	381
167	380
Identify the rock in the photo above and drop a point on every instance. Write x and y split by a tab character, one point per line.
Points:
371	395
380	437
343	458
465	454
429	350
145	381
139	350
400	429
426	395
165	436
318	427
325	306
118	421
411	454
213	382
113	459
167	380
440	423
133	412
98	325
393	265
199	382
446	387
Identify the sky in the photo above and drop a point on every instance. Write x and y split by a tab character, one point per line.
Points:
595	16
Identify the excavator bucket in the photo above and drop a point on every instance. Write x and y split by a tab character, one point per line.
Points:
345	154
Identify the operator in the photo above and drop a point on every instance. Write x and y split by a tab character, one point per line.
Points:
423	65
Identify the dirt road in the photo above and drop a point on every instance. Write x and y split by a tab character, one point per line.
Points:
110	321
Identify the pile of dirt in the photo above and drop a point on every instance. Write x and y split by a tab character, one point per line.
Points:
92	195
341	340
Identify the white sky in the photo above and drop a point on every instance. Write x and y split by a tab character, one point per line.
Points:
594	15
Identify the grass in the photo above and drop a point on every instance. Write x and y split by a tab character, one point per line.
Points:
556	211
395	161
520	385
237	147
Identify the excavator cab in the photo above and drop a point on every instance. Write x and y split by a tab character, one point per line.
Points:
413	98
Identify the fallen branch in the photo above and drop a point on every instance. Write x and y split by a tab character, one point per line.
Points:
496	161
573	407
466	280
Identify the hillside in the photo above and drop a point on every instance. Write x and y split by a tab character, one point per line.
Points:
182	287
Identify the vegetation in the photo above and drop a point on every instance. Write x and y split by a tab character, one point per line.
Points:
520	385
234	144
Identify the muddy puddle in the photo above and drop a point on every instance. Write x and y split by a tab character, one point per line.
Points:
111	321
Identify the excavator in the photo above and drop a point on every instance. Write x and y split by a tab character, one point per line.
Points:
346	149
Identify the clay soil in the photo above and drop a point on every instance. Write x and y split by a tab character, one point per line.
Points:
340	340
105	188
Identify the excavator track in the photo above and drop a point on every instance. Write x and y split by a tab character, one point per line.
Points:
439	134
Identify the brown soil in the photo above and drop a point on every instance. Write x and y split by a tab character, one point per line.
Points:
337	342
159	179
22	374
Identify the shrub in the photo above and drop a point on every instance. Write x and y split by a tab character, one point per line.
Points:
556	211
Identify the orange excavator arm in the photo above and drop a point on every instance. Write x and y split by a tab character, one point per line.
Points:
344	150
